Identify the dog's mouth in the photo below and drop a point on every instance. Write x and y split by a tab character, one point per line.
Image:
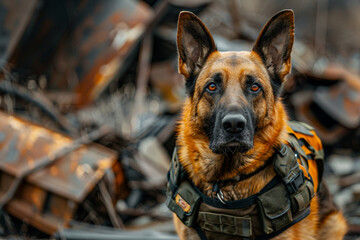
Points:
231	147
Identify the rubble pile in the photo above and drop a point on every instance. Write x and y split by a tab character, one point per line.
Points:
90	98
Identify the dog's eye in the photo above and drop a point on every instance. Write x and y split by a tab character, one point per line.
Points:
212	87
255	87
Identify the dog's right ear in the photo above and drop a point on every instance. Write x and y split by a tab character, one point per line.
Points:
194	43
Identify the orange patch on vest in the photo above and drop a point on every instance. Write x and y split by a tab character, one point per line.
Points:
182	203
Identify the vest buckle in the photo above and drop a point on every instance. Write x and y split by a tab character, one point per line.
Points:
282	151
218	193
296	182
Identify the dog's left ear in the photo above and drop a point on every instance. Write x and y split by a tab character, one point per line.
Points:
274	45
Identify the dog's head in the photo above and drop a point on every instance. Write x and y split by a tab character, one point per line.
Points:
233	94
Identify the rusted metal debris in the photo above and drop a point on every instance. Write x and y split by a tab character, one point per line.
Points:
37	99
87	45
45	175
114	64
129	24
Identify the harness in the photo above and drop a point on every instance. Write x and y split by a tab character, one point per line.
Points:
284	201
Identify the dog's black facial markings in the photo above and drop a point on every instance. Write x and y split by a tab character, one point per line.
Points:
209	124
250	79
276	85
254	121
218	81
217	77
249	82
190	85
211	97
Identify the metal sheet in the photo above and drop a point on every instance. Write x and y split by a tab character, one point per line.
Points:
76	174
81	45
48	197
23	145
105	40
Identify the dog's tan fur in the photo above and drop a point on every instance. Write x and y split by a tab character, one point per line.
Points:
203	166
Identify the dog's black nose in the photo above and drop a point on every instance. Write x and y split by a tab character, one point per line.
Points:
233	123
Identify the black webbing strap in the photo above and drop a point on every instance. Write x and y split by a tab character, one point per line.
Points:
236	204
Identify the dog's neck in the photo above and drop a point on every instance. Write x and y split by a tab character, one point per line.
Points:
205	168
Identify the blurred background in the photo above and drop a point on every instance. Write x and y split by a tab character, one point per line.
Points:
90	97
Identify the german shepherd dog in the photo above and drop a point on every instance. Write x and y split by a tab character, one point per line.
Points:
233	117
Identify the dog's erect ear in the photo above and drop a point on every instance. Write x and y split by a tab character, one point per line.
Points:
274	45
194	43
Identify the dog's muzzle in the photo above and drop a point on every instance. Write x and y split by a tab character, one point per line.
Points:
233	123
233	132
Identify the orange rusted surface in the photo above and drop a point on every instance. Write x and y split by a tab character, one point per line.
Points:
22	144
55	190
114	31
81	45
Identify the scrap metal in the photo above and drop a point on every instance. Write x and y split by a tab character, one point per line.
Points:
45	175
39	100
114	56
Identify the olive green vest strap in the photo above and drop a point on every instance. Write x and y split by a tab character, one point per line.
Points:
306	129
300	189
317	155
227	224
175	169
301	127
301	199
293	141
286	165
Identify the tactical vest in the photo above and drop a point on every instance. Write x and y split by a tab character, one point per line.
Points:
284	201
